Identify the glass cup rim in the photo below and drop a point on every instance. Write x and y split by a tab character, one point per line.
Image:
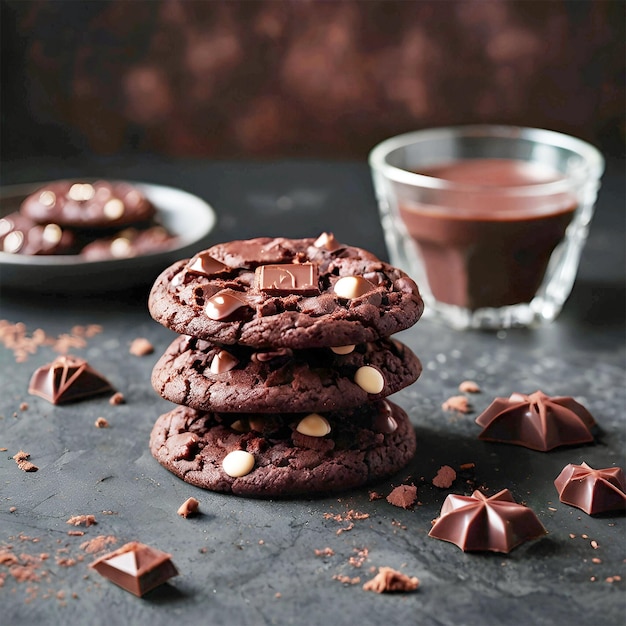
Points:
593	159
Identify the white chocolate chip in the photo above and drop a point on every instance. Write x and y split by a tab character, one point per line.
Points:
81	192
47	198
343	349
313	425
238	463
240	426
352	287
222	362
369	379
14	241
120	248
52	233
113	209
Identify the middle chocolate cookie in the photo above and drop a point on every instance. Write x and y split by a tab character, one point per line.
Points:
234	378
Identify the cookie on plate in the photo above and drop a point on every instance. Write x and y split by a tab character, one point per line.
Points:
88	205
211	377
284	455
292	293
21	235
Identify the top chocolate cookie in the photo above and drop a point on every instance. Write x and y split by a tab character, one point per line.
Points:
293	293
100	204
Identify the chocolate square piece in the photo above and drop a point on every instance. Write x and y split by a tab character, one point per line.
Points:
136	567
281	280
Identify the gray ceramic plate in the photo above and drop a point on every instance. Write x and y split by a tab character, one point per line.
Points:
188	217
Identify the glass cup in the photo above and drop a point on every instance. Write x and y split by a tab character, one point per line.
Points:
489	220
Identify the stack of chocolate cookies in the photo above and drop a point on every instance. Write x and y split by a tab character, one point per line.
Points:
282	367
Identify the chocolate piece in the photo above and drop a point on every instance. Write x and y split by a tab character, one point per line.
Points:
536	421
224	305
205	265
481	523
592	490
136	567
66	379
188	508
281	280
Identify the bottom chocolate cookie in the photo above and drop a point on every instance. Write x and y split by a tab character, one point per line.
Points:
284	455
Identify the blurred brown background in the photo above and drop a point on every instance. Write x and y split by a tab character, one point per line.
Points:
301	78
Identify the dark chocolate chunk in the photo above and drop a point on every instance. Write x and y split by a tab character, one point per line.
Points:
536	421
281	280
592	490
66	379
481	523
136	567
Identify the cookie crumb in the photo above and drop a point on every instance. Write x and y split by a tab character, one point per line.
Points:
403	496
374	495
324	552
97	544
445	477
101	422
21	458
469	386
459	404
24	406
188	508
141	347
347	580
117	398
390	580
82	520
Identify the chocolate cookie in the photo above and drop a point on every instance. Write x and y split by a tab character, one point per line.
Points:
21	235
128	243
211	377
293	293
283	455
97	205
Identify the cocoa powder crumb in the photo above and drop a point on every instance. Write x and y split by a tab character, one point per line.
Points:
445	477
324	552
346	580
82	520
390	580
98	543
117	398
22	462
459	404
403	496
188	508
469	386
141	347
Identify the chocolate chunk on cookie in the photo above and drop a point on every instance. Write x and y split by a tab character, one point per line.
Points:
88	205
293	293
284	455
213	377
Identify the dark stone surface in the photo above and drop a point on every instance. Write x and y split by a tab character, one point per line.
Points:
239	554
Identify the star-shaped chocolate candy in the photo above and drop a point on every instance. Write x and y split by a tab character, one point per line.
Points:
536	421
66	379
480	523
592	490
